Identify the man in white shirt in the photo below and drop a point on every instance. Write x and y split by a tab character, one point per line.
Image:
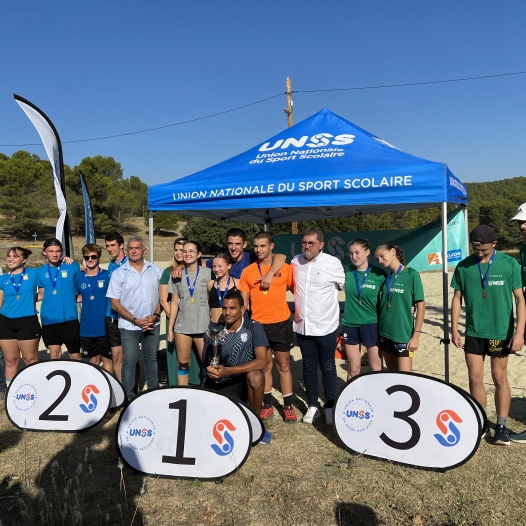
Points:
134	294
317	278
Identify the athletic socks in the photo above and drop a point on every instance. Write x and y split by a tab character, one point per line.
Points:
501	421
287	400
267	398
7	381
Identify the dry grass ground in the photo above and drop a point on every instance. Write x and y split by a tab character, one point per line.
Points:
302	478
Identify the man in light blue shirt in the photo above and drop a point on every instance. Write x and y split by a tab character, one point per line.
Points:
134	294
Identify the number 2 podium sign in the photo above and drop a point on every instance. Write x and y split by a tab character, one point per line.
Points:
408	418
183	432
58	395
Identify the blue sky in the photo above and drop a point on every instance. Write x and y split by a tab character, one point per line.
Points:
102	68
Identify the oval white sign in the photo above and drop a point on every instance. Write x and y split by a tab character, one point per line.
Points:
407	418
58	395
183	432
118	396
258	429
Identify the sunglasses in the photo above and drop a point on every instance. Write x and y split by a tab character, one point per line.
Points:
87	258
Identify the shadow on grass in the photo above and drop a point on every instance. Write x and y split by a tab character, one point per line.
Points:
349	513
79	484
9	438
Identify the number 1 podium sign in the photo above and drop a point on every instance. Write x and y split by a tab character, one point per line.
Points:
58	395
408	418
184	432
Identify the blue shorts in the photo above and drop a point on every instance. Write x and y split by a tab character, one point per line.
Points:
365	334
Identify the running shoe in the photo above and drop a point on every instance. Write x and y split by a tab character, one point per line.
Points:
289	415
502	436
312	414
328	416
267	411
267	438
520	438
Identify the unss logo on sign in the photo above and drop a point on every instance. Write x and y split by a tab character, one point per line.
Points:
188	433
410	419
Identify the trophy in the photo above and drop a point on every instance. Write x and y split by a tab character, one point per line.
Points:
215	334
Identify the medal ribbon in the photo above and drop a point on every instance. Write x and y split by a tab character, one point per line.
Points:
219	295
88	283
484	278
53	280
191	288
19	284
364	279
389	292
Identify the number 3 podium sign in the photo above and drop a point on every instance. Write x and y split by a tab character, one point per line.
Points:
58	395
184	432
410	419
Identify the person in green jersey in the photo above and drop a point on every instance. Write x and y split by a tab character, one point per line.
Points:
487	281
360	317
520	217
402	294
165	297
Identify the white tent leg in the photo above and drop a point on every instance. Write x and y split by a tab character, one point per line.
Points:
467	231
445	294
150	235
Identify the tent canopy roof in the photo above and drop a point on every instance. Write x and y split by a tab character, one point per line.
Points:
322	167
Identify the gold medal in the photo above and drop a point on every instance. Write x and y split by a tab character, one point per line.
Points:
92	297
265	291
17	297
55	291
192	300
359	302
484	295
388	305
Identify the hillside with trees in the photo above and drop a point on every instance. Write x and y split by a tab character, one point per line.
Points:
28	204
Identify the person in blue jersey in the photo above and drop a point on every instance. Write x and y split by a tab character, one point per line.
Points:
115	247
19	327
58	314
236	242
92	286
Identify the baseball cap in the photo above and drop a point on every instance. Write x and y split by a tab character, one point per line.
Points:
52	242
520	214
481	235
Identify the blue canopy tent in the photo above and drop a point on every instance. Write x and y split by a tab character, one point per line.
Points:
322	167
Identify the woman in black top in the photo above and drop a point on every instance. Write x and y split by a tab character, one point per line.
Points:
218	288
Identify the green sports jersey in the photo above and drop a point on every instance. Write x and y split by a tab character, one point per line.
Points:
492	317
356	315
523	265
396	322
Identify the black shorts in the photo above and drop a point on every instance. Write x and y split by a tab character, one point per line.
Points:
391	347
64	333
95	346
365	334
486	347
112	332
26	328
236	387
279	335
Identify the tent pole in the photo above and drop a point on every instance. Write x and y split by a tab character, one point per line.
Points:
266	224
150	235
445	295
466	220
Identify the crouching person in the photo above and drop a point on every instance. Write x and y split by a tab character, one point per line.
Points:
242	354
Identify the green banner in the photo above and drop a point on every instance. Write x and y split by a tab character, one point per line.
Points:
422	246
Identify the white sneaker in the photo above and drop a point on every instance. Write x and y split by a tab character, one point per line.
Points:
312	414
328	416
